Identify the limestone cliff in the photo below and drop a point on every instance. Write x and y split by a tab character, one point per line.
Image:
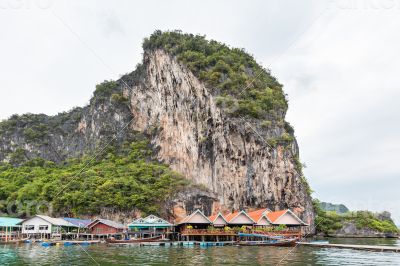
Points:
229	156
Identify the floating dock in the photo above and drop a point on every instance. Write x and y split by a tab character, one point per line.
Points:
175	243
356	247
69	243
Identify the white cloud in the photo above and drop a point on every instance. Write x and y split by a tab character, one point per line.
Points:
343	85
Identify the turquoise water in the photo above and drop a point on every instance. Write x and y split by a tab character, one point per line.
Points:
34	254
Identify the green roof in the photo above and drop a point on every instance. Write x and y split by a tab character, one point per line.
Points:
149	221
10	222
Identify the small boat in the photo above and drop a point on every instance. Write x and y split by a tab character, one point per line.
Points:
48	244
13	241
266	240
275	243
137	240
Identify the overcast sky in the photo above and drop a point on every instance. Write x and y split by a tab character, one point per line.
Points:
339	62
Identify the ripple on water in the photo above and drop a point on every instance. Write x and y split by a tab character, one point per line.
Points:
25	254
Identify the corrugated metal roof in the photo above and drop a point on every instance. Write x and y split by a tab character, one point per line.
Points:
10	222
56	221
53	221
82	223
107	222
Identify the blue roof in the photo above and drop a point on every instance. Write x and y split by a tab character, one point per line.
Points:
10	222
78	222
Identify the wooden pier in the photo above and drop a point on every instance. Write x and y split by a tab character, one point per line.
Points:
356	247
175	243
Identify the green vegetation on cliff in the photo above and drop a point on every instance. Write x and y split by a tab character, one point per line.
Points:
105	88
126	178
243	87
329	222
338	208
122	181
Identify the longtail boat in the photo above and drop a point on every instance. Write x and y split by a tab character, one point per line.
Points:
137	240
266	240
13	241
274	243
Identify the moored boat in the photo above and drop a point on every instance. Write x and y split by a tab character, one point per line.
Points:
13	241
137	240
276	243
265	240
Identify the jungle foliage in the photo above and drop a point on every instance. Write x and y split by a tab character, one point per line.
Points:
328	222
121	181
244	87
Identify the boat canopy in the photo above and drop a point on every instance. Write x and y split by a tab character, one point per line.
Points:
260	235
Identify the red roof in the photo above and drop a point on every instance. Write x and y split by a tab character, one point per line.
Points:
256	215
273	216
230	216
213	217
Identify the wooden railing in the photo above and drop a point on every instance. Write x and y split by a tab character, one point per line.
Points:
230	232
211	232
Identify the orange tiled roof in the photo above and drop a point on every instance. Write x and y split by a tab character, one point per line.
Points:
256	215
273	216
230	216
213	217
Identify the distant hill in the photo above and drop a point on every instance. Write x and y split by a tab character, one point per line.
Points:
338	208
337	220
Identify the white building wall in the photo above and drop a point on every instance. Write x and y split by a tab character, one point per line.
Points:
287	219
36	222
241	219
263	222
197	218
219	221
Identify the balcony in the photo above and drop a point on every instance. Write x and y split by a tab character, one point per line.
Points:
208	232
234	232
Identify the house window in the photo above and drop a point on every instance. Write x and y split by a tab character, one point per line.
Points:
98	230
29	227
43	227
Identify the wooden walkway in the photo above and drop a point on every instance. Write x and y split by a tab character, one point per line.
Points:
356	247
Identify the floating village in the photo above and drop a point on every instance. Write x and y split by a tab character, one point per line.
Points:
261	227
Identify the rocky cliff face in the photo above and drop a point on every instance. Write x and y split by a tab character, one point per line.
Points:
227	156
350	229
